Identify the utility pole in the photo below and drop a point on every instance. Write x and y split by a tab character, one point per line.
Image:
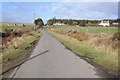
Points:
34	20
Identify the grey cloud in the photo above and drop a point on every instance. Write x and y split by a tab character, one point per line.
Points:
62	0
91	10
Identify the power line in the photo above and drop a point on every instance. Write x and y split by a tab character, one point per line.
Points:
20	8
16	5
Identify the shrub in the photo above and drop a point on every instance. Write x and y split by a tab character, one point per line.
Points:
116	36
17	33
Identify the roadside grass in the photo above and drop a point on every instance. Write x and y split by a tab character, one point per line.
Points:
3	26
16	27
14	52
5	23
95	30
108	61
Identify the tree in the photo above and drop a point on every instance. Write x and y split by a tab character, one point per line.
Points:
89	22
82	23
77	22
39	22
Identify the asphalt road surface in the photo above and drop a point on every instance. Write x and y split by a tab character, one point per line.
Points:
58	62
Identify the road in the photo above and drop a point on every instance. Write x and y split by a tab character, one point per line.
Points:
58	62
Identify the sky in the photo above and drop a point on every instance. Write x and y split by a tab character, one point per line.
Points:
23	12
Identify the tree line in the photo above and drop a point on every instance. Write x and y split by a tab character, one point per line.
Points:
39	22
77	22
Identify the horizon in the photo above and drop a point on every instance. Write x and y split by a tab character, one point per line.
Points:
13	12
61	19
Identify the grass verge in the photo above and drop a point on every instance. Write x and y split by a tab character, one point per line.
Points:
94	30
14	52
16	27
108	62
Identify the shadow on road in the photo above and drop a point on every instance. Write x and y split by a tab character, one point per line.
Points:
24	62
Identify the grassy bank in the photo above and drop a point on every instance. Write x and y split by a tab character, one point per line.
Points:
106	60
3	26
16	27
21	46
94	30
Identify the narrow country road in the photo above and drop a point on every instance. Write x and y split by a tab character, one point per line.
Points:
58	62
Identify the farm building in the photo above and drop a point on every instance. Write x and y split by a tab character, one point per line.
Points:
15	24
104	23
58	24
115	24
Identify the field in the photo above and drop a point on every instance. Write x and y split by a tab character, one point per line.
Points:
95	30
3	26
17	27
93	43
5	23
15	42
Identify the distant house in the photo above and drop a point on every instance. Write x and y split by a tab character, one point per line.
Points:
104	23
11	24
116	24
58	24
15	24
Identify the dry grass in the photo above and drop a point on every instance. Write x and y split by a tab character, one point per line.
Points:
98	48
16	46
98	41
13	37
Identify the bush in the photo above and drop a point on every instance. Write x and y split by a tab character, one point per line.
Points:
79	36
116	36
17	33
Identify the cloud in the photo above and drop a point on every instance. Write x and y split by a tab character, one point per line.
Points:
9	17
96	15
61	0
21	7
66	9
63	10
0	12
119	10
85	10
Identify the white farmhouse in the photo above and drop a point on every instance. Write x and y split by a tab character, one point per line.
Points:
58	24
104	23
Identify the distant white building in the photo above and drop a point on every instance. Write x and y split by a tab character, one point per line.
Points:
104	23
11	24
115	24
58	24
15	24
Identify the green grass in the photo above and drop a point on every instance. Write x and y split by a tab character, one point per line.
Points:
16	27
5	23
3	26
102	58
12	53
107	30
